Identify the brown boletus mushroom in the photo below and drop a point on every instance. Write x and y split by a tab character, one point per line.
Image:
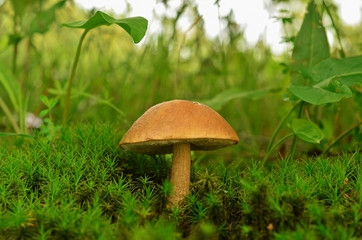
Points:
177	127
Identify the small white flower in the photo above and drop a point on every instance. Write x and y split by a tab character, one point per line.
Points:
33	121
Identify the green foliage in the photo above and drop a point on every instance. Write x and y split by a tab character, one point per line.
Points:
13	91
10	85
346	70
311	44
307	131
162	230
318	95
332	78
135	26
15	134
50	103
222	98
42	21
19	7
316	78
311	60
73	182
48	128
83	185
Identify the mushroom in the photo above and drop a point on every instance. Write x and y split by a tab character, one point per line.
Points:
177	127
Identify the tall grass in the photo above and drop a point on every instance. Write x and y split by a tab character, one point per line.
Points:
117	81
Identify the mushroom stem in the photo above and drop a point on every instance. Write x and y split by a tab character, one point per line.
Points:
180	171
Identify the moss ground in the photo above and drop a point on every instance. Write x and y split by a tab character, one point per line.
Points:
81	185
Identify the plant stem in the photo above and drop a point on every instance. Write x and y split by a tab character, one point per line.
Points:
335	28
10	117
22	114
292	148
25	73
344	134
274	146
15	54
281	125
70	83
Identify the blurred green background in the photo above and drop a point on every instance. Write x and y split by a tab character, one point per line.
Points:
116	80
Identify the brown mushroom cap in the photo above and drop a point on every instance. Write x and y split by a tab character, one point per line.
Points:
178	121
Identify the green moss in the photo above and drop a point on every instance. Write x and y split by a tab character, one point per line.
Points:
82	185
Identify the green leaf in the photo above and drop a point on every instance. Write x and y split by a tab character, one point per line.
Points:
53	103
2	134
317	95
135	26
43	112
311	44
219	100
307	131
42	21
45	100
347	70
